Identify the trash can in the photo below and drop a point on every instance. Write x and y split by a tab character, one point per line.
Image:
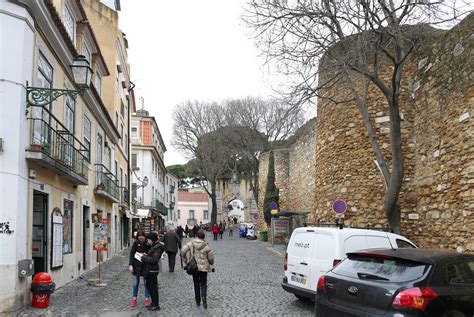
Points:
263	236
42	287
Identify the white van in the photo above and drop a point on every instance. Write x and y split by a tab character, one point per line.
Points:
312	251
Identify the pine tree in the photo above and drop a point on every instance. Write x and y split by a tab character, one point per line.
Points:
271	191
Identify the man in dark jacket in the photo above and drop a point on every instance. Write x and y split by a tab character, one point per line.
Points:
172	244
151	261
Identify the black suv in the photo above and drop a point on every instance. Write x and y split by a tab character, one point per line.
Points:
398	282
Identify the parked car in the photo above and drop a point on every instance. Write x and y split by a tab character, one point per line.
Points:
405	282
312	251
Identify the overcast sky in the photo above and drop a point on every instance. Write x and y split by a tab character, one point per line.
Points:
189	50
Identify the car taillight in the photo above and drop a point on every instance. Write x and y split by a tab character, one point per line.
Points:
417	298
335	262
322	283
285	266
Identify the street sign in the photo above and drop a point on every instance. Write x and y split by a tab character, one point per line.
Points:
339	215
339	206
272	205
274	211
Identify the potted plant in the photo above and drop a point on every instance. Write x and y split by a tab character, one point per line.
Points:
45	147
35	147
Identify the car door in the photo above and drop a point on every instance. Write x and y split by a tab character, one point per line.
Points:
300	250
324	254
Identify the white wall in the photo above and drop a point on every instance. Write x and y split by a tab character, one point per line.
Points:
16	60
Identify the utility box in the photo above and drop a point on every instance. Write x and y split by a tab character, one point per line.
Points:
26	267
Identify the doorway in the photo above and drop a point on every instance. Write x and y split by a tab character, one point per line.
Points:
39	243
85	237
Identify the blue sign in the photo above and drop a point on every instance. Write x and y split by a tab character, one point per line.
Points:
272	205
339	206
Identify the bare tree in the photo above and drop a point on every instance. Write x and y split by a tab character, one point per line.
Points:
254	125
345	46
196	133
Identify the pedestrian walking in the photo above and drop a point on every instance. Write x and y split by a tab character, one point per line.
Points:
137	269
201	251
215	231
195	230
151	261
231	231
172	244
186	231
221	229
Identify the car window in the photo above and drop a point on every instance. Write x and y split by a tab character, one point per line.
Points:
391	269
404	244
460	272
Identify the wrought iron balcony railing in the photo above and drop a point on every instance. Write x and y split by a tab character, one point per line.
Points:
106	184
54	147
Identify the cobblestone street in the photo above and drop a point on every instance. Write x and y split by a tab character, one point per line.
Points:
246	283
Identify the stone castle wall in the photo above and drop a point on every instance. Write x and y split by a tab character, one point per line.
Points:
437	105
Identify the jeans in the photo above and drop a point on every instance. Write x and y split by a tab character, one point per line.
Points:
215	236
136	283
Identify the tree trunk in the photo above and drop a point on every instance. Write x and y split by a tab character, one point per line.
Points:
214	202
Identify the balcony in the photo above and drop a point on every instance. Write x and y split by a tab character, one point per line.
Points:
160	207
106	184
124	196
54	147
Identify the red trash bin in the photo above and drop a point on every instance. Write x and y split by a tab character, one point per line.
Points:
42	287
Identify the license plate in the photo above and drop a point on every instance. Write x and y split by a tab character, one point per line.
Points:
298	279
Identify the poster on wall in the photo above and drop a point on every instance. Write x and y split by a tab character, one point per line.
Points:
281	230
101	229
57	239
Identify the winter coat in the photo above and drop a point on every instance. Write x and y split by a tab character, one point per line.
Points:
215	229
152	258
140	247
186	230
202	253
172	241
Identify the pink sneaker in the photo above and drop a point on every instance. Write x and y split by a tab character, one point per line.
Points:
133	303
146	302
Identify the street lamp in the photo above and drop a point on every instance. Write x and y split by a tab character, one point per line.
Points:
82	73
143	185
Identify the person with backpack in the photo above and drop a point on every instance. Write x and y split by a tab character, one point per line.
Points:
199	250
137	269
151	261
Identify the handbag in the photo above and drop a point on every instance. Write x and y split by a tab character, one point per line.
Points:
192	267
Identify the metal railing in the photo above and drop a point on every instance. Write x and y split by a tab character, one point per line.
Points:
106	181
50	137
158	205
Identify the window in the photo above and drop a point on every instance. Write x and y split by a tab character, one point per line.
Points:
206	214
126	181
98	157
68	147
87	138
116	120
404	244
460	272
134	133
125	144
167	198
67	226
134	160
152	166
179	214
116	170
121	177
117	84
98	83
122	109
134	191
87	53
121	131
191	214
70	24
